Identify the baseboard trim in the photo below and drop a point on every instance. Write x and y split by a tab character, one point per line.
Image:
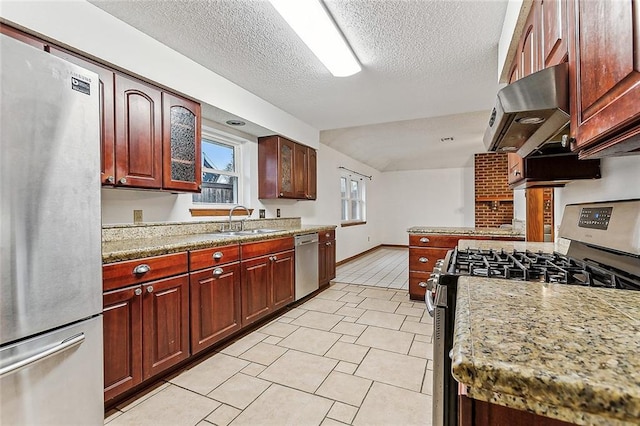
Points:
349	259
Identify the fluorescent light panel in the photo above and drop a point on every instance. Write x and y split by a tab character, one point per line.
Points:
314	26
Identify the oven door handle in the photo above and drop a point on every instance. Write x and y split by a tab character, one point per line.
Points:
428	298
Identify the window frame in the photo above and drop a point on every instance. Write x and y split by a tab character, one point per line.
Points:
216	136
362	200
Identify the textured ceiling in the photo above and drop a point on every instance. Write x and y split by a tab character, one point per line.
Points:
421	59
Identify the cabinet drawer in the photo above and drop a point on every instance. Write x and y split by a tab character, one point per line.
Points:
261	248
122	274
424	259
206	258
423	240
416	292
324	236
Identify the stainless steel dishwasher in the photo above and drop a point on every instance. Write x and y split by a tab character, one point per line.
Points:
306	264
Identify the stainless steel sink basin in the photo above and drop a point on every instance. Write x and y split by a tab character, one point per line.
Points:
246	232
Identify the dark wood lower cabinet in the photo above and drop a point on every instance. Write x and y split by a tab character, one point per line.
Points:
122	324
480	413
165	320
215	305
267	285
146	331
326	257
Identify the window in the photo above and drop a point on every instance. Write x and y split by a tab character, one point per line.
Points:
220	171
352	193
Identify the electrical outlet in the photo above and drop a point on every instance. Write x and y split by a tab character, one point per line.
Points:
368	239
137	216
277	212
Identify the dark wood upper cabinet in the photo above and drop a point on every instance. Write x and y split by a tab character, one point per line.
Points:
605	77
553	32
286	169
107	112
138	134
549	170
181	143
22	36
529	47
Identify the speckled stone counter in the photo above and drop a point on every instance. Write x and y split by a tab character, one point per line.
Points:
159	239
567	352
489	232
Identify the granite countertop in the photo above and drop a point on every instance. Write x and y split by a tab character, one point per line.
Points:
136	248
490	232
566	352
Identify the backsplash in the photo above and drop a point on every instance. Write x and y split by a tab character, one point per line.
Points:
494	199
168	229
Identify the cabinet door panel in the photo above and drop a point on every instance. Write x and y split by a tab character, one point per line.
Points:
553	20
530	47
138	134
122	324
312	174
606	75
283	279
215	305
181	144
331	260
323	275
166	324
256	289
300	161
286	160
107	113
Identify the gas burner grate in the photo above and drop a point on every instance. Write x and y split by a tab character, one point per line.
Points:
539	266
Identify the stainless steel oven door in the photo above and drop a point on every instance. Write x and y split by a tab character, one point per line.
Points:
439	354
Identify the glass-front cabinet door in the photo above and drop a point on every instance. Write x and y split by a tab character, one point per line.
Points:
285	160
181	143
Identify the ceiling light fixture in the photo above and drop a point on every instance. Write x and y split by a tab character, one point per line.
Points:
235	123
311	21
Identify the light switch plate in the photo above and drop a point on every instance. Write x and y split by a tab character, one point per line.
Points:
137	216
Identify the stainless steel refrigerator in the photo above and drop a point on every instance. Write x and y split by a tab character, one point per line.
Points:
50	241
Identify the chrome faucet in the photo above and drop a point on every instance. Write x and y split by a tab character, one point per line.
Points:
242	221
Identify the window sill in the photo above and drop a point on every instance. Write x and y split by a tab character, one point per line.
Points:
218	212
345	224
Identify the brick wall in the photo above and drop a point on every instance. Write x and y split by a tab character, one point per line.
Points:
491	171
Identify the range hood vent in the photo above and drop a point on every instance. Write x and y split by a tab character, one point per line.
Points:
531	114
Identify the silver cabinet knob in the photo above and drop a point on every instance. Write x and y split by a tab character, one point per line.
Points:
329	243
424	240
422	284
150	289
516	172
423	260
123	180
143	268
327	235
111	179
217	272
137	291
218	255
281	194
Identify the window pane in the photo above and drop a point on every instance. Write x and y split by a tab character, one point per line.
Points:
217	156
355	210
354	189
345	210
222	190
343	187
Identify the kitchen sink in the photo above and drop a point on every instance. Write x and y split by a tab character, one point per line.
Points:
247	232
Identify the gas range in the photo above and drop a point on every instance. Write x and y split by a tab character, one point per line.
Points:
603	251
539	266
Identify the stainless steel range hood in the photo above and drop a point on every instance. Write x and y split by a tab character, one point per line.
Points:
530	113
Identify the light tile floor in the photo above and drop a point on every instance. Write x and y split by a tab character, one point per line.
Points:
353	354
385	267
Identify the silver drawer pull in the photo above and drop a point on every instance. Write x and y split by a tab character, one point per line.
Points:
141	269
218	255
327	235
423	260
217	272
422	284
424	240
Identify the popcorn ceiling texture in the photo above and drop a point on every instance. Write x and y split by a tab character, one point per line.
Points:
420	58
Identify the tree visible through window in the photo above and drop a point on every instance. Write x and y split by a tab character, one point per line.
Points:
220	173
352	193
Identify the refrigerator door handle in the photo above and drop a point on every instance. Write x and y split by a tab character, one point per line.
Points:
62	346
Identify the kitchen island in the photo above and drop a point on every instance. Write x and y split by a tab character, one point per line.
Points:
565	352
